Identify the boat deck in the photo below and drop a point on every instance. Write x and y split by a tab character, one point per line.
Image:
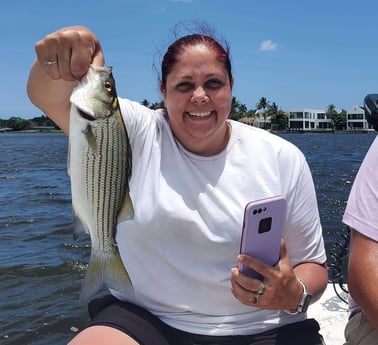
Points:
332	314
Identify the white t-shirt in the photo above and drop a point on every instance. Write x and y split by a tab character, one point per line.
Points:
185	235
362	207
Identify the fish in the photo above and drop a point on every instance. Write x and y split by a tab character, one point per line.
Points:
99	166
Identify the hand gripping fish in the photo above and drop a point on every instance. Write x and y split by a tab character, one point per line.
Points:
99	165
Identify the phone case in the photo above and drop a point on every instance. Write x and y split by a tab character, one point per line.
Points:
262	231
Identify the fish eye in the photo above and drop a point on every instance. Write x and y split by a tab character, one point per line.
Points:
108	86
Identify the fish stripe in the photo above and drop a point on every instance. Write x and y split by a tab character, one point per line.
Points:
106	188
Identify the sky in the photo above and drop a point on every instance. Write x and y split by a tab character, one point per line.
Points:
296	53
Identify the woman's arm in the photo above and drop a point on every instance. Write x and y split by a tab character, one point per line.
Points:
50	85
363	274
314	276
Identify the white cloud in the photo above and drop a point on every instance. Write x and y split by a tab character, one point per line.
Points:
268	45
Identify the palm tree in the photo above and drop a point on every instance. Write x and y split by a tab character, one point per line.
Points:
145	103
238	110
263	104
272	112
331	113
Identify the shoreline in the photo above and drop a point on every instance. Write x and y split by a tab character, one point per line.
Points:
31	131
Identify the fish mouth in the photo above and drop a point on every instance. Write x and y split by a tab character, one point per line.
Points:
85	115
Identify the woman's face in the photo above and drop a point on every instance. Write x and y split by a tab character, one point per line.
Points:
198	100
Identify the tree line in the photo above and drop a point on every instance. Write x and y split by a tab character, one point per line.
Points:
20	124
239	112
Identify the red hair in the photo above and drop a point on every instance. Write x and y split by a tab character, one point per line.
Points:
173	52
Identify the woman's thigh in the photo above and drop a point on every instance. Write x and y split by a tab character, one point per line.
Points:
99	335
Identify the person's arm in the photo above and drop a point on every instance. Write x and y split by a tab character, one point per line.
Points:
314	276
71	50
363	274
51	96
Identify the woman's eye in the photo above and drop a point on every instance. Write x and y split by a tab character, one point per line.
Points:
185	87
214	84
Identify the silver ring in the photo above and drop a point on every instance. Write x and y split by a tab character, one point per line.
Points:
261	289
50	62
255	298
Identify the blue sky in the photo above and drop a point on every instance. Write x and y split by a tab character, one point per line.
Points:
298	54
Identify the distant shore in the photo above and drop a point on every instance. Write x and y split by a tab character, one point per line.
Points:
291	131
31	131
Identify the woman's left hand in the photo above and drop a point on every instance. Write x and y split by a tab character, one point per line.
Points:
279	289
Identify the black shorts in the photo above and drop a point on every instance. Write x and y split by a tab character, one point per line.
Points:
148	329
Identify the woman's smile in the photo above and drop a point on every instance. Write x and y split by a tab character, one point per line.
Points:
200	115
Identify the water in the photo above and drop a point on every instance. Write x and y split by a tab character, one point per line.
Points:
41	267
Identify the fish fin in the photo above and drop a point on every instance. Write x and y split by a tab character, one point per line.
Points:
105	272
78	227
127	209
91	139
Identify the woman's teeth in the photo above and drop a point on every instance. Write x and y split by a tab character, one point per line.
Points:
200	114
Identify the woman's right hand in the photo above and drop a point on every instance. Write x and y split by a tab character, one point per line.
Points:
63	58
73	49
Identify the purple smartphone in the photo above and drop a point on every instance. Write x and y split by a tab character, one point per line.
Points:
262	231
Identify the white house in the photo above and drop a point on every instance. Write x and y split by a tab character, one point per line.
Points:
356	119
308	119
262	119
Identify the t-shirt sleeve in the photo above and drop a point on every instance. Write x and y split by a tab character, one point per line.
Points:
362	207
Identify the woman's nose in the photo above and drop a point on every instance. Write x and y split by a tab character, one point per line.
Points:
199	96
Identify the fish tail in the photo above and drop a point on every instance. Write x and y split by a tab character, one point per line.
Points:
105	272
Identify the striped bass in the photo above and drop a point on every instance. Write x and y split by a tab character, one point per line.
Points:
99	166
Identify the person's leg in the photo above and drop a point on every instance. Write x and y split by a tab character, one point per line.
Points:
358	331
100	335
116	322
299	333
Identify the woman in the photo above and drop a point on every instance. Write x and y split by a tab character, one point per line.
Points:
193	173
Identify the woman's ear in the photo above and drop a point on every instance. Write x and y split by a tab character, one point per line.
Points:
163	93
162	89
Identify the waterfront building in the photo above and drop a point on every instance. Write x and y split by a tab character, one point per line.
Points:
356	119
308	119
262	119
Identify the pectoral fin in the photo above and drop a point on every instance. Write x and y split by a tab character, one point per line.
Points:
91	139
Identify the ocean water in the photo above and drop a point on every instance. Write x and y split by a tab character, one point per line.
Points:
41	266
